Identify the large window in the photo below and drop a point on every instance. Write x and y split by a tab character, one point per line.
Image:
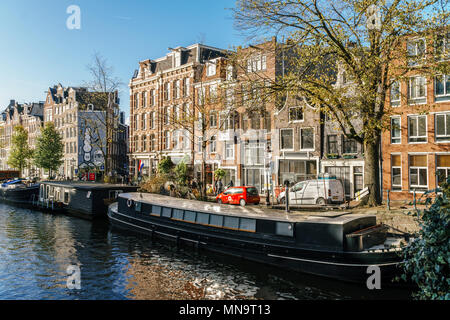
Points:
307	138
297	170
396	172
167	91
417	129
186	90
418	172
332	144
229	150
254	153
442	127
213	119
177	89
349	146
212	145
416	51
287	139
211	69
443	168
166	140
442	88
295	114
396	131
417	90
442	46
395	94
257	63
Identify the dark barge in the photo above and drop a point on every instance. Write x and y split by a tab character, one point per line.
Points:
341	246
83	199
18	192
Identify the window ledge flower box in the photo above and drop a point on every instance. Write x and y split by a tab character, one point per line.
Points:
332	156
349	156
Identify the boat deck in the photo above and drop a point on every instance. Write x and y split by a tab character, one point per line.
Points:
249	211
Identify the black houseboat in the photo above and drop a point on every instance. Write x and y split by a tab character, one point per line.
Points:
18	192
84	199
335	245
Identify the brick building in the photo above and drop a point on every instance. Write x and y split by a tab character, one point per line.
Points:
416	149
161	94
28	115
80	118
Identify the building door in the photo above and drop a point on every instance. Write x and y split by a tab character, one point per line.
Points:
253	177
342	173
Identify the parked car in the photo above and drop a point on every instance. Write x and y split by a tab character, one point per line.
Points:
318	191
239	195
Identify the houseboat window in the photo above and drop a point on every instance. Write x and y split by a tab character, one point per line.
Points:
284	229
167	212
177	214
231	223
247	224
189	216
156	211
66	196
216	221
88	195
138	207
202	218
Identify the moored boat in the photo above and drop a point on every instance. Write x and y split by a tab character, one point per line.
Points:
335	245
18	192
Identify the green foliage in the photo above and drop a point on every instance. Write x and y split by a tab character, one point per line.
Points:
219	174
165	166
154	184
49	148
427	258
181	173
20	152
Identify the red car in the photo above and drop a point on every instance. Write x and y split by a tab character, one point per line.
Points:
239	195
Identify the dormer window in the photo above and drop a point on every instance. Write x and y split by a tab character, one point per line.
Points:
177	59
211	69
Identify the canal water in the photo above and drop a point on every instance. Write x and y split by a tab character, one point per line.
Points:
37	248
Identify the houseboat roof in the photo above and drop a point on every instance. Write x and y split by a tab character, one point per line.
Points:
254	212
88	185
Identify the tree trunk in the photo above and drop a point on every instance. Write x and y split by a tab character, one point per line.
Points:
372	170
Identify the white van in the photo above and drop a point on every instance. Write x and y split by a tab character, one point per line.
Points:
319	191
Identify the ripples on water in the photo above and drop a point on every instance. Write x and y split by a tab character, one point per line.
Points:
36	249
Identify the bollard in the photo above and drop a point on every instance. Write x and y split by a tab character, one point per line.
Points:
388	200
414	201
287	197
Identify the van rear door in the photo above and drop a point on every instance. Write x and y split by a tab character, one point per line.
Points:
336	191
310	194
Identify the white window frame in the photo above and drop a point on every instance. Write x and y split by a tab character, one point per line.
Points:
296	107
314	138
446	94
213	145
418	186
400	129
229	150
413	100
401	173
417	124
396	103
416	53
446	137
281	139
213	115
446	42
211	68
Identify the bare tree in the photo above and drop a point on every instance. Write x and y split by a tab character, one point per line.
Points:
363	39
102	109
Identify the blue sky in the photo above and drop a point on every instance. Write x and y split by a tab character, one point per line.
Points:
37	50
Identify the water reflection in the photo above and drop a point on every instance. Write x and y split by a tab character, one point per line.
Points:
37	248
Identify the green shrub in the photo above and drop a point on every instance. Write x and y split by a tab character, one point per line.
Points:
426	259
165	166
